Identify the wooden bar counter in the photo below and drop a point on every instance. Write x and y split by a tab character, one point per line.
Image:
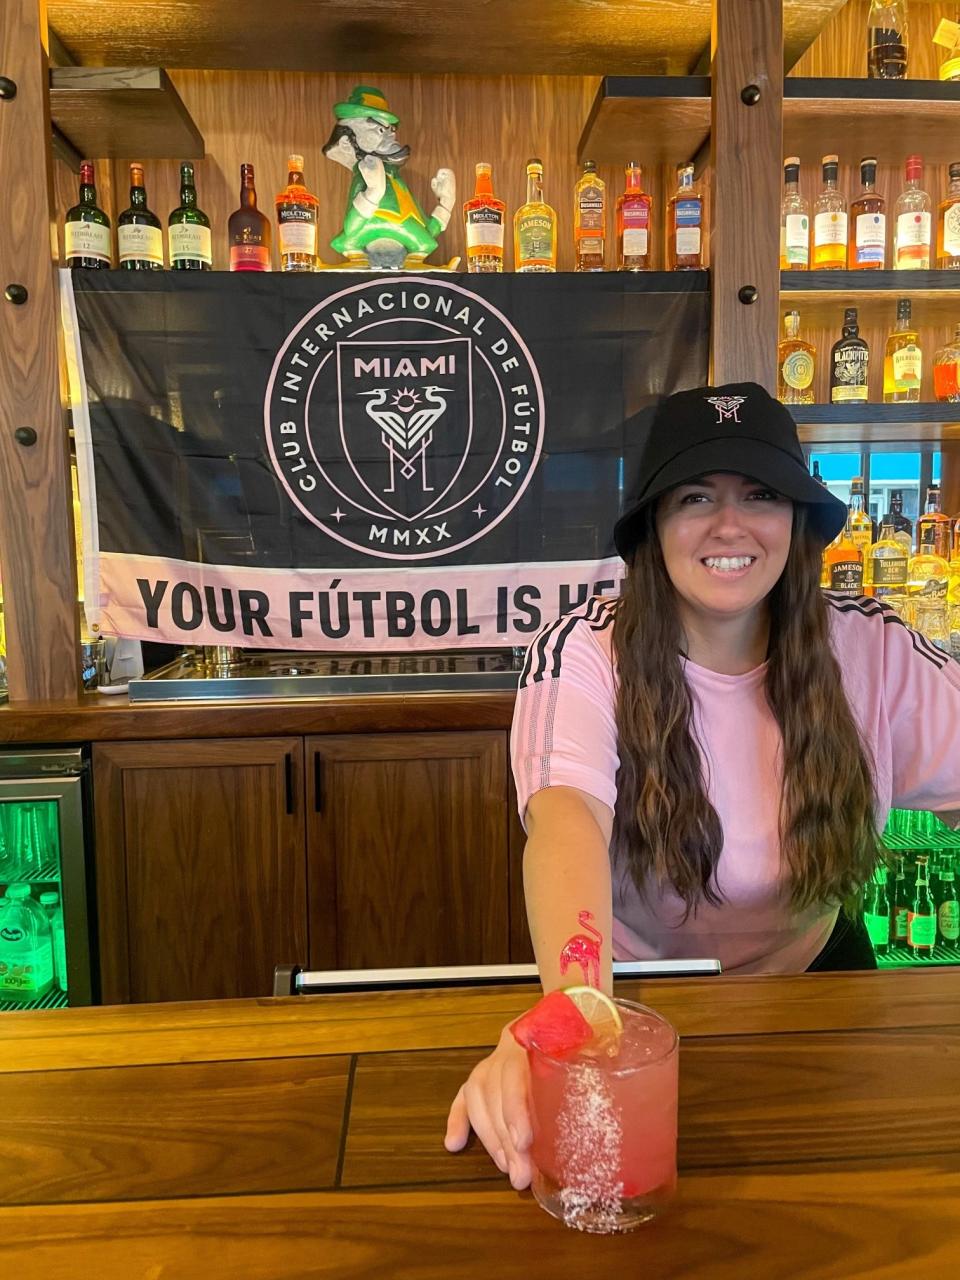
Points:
280	1138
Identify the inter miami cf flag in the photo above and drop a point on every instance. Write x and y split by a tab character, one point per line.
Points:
362	461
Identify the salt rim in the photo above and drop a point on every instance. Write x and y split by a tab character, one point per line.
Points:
589	1143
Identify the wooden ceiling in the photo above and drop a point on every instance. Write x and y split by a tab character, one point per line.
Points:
478	37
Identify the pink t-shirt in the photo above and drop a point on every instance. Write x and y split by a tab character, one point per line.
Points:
905	698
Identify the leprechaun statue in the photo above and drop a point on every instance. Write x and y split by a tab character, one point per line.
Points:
384	227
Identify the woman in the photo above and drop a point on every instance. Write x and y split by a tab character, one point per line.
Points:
703	765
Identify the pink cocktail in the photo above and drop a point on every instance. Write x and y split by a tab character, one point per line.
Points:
605	1126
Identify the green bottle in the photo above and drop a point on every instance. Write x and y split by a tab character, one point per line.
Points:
26	947
188	229
139	234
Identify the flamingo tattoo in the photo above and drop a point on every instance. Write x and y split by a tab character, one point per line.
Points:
583	951
399	433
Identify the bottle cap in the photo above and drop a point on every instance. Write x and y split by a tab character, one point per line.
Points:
49	899
15	892
534	163
86	172
955	169
850	317
589	166
830	160
792	161
295	164
136	174
914	166
484	166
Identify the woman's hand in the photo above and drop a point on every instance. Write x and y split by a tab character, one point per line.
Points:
494	1101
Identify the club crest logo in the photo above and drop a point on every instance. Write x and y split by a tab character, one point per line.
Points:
405	419
726	407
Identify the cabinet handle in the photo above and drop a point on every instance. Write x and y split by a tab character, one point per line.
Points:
288	779
318	782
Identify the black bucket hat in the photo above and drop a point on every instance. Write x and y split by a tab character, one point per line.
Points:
737	428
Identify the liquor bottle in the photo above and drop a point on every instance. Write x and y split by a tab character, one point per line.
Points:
887	40
796	364
948	909
901	905
948	224
794	220
188	229
685	224
139	235
483	222
946	370
903	359
876	911
933	527
815	473
868	219
922	918
902	527
297	210
589	219
911	226
830	221
861	526
535	226
849	363
634	223
844	561
947	36
888	563
248	230
86	231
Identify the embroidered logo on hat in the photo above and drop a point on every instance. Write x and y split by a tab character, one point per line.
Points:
726	406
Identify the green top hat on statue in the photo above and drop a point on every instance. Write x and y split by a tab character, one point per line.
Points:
384	227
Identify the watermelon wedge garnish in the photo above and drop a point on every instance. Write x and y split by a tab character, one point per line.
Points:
554	1025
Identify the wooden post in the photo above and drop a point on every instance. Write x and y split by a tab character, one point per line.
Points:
37	559
747	68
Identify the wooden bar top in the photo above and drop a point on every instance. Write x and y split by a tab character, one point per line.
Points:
101	718
280	1138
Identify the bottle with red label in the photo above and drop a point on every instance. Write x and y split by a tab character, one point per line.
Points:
922	917
249	229
634	224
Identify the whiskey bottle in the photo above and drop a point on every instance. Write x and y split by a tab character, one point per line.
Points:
483	221
297	210
948	224
844	563
888	563
188	229
535	226
887	40
849	363
933	527
589	219
685	224
139	235
903	360
911	227
902	527
830	221
634	223
86	231
796	364
248	230
794	220
860	524
946	370
868	220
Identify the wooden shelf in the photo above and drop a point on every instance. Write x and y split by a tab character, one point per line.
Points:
886	118
423	37
109	112
820	296
650	119
881	426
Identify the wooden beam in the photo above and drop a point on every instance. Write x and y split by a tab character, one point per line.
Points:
747	56
37	556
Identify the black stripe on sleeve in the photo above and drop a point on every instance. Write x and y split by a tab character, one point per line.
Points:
868	608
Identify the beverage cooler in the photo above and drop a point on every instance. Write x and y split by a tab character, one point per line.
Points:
46	885
910	908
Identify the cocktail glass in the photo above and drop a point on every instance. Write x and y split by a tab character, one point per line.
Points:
604	1150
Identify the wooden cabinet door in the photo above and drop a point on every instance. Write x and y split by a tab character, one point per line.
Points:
407	850
201	868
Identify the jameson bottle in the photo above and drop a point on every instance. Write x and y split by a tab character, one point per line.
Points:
876	912
188	229
139	234
922	917
248	230
86	232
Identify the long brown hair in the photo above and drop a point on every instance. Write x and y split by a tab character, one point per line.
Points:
665	828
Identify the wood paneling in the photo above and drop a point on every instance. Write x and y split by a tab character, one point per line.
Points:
200	867
860	1222
841	47
407	850
36	528
122	111
747	48
175	1130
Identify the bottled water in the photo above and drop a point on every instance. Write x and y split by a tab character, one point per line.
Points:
26	947
50	902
